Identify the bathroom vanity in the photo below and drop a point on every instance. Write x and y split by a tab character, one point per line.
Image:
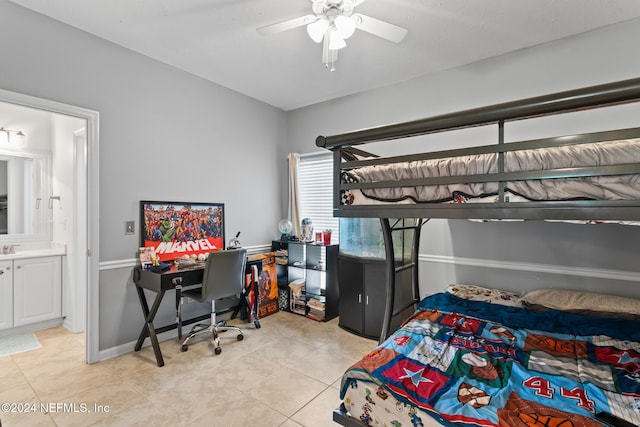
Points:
31	288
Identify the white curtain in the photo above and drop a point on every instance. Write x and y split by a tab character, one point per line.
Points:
293	210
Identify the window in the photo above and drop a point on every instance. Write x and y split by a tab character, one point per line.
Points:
315	192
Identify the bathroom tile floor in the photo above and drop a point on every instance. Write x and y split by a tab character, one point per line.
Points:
287	373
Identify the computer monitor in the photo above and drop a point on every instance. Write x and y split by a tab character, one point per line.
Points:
176	229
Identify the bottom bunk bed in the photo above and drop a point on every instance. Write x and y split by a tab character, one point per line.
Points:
479	357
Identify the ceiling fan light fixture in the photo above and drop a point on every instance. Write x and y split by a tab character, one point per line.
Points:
335	41
317	29
334	21
345	26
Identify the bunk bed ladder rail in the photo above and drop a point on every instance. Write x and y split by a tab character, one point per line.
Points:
392	270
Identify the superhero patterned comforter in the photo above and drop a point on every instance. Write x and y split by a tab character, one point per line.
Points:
474	363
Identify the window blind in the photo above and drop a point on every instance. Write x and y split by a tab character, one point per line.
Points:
315	188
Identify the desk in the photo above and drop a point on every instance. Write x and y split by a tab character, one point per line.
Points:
177	278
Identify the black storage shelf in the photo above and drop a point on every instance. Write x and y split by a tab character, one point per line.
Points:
317	266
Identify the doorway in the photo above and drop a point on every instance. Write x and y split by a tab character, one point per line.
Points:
83	261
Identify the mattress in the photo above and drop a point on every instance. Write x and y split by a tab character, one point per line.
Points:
608	153
475	363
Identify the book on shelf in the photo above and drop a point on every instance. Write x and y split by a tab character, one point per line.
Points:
316	309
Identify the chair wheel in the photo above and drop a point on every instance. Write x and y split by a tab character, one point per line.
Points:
217	350
184	348
240	337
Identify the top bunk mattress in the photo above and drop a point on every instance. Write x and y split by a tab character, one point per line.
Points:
474	170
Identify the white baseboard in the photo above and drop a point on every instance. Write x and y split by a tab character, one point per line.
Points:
46	324
129	347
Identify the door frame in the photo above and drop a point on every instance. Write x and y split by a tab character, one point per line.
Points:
78	286
91	257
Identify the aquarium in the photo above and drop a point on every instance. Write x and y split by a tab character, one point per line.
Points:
362	237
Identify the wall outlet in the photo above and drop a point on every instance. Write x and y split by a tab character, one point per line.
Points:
130	227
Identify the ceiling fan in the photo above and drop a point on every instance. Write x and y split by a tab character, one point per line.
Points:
334	21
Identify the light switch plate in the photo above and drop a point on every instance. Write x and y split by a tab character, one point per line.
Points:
130	227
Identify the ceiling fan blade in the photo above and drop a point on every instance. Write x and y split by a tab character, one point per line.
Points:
289	24
380	28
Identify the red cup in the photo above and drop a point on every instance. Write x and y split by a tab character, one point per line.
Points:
327	237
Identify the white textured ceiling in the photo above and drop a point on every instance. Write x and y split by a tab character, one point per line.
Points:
217	39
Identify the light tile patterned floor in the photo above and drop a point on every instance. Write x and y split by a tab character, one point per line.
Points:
283	374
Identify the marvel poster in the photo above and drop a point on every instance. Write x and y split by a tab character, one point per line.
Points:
176	229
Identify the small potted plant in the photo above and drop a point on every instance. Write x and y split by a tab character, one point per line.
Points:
326	234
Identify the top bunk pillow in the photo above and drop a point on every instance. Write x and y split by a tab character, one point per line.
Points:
490	295
588	303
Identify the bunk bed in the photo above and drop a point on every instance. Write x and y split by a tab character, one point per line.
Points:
580	177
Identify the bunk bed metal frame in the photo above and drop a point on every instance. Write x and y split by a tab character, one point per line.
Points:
625	91
347	156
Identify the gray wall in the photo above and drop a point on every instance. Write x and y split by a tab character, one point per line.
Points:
164	135
517	256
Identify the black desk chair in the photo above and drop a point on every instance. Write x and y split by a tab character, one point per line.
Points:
223	277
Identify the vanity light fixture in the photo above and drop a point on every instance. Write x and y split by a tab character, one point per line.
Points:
9	135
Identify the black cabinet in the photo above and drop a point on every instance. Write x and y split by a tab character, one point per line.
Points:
362	277
362	295
312	270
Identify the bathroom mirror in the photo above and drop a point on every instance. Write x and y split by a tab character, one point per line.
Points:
22	200
26	177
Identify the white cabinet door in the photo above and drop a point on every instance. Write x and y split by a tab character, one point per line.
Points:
37	289
6	293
